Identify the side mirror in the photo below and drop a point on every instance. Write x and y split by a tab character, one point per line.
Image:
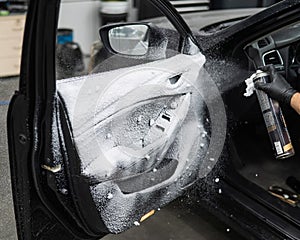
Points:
127	39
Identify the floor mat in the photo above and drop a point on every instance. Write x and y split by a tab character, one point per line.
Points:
259	164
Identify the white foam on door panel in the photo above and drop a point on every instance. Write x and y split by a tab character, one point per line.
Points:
94	101
113	115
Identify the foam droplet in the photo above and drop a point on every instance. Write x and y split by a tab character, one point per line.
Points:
110	196
174	105
139	119
64	191
151	122
136	223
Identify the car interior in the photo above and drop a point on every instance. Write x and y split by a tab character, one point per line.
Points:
251	150
252	154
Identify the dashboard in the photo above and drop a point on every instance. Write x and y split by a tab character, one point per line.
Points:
282	49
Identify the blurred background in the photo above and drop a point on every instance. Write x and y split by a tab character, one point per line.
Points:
80	19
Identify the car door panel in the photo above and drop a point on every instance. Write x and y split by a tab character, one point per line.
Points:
131	179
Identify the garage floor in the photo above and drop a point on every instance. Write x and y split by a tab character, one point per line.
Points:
175	222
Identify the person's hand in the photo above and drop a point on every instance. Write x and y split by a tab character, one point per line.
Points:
279	89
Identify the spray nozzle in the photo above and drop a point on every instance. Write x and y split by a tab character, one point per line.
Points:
250	85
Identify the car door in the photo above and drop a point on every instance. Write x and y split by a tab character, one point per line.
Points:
101	152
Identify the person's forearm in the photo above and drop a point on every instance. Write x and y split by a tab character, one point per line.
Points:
295	102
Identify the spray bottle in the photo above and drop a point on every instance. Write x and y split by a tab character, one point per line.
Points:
273	117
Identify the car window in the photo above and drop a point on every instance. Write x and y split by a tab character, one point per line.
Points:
80	50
